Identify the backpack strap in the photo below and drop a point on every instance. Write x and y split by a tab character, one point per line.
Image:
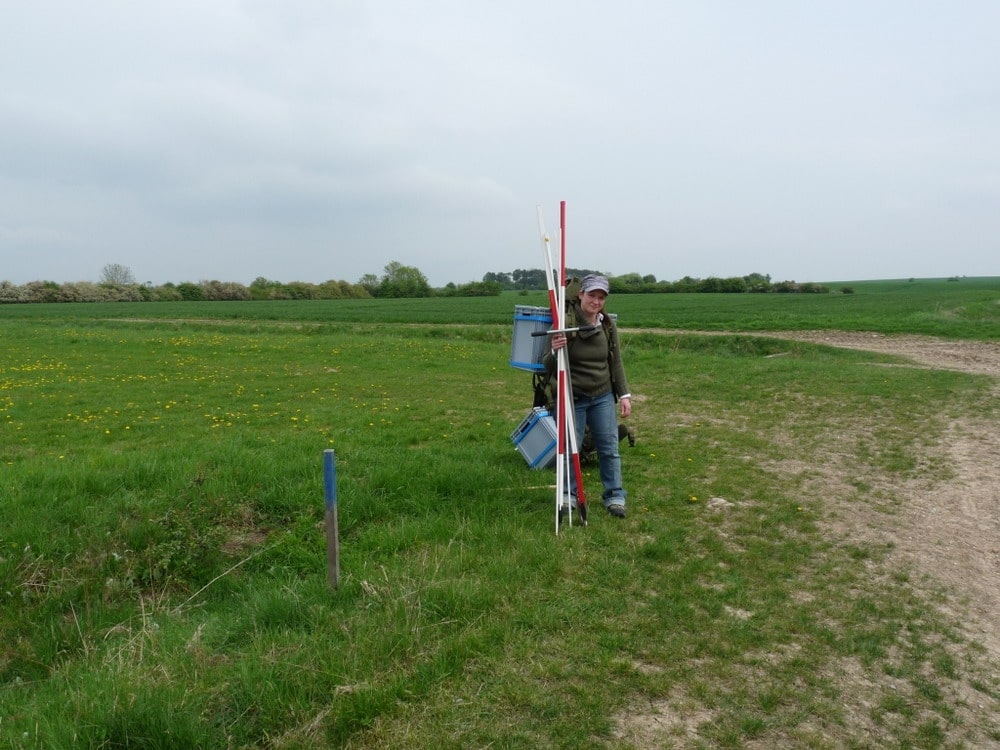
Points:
572	289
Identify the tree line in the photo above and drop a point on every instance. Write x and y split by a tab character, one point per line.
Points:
118	284
634	283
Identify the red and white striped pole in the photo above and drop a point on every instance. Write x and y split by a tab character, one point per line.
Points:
567	388
565	424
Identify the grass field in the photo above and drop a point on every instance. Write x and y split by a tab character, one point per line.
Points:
162	552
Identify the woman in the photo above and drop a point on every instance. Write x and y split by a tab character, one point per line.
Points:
598	380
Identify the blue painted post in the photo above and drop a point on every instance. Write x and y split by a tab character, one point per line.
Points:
332	535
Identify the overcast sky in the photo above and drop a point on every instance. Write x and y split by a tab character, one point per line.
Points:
306	140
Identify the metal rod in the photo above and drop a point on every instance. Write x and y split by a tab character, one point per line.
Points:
574	329
332	533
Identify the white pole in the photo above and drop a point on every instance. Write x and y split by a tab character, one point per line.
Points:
556	309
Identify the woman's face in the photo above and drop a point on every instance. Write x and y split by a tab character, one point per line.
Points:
592	302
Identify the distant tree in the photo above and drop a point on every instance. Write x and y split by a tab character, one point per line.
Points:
329	289
190	292
503	279
710	285
730	285
263	288
627	283
758	282
299	290
472	289
529	278
811	287
167	293
403	281
115	274
224	290
733	285
687	284
84	291
353	291
126	293
369	282
10	292
42	291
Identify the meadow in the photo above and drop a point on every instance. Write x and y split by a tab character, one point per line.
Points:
163	557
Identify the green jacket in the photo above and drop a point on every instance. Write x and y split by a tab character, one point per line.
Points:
595	361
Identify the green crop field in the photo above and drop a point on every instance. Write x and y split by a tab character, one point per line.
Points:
163	552
956	309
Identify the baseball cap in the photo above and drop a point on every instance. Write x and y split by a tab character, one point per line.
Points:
594	281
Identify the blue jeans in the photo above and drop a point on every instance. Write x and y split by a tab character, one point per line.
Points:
600	415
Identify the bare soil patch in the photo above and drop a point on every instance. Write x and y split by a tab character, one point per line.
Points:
977	357
949	532
946	533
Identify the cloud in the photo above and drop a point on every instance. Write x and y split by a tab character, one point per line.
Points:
317	140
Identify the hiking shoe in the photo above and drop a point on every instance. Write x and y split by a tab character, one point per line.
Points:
618	511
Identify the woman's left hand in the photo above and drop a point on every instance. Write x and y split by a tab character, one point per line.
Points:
626	405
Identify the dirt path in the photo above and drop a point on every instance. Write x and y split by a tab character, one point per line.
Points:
978	357
945	534
950	532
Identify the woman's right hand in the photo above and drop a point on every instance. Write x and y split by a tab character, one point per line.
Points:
558	341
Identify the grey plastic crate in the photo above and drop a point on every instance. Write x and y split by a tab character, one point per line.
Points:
535	439
527	351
